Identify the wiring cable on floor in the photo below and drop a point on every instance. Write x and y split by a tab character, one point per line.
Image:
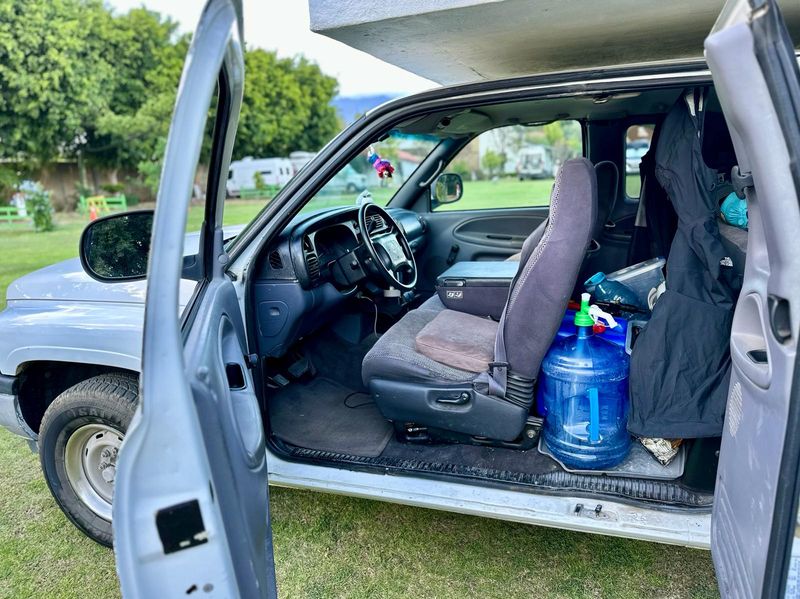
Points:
374	305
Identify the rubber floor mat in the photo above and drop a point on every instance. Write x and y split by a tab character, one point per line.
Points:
315	415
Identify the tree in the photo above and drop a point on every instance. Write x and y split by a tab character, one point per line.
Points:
53	75
507	141
78	81
286	106
148	60
492	162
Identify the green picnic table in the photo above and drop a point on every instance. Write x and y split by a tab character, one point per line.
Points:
102	204
10	216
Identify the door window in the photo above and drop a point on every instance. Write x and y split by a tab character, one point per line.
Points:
637	143
514	166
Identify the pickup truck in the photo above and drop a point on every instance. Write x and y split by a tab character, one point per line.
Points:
319	350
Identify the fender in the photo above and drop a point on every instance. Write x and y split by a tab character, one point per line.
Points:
106	334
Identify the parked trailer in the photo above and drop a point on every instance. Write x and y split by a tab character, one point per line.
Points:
242	173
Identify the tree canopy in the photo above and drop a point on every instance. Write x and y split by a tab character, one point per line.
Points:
76	78
53	74
286	106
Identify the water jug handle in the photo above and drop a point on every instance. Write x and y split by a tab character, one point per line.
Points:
598	314
594	415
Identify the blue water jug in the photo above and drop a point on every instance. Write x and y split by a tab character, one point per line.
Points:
614	292
583	388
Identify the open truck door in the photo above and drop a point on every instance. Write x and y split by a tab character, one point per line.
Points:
190	511
754	523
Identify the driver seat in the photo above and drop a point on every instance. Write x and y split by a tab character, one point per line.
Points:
460	373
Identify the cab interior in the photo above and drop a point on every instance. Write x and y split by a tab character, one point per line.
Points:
313	322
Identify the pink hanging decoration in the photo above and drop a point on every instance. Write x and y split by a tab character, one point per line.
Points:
383	167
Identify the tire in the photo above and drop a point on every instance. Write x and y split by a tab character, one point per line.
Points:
78	438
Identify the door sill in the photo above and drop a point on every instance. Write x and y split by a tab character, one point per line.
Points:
652	494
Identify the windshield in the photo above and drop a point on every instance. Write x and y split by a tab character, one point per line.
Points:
398	155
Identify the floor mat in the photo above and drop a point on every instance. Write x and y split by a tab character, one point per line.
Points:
475	456
315	415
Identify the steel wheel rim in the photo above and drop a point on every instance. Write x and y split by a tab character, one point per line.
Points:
90	459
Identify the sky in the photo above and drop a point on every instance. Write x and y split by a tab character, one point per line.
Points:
283	26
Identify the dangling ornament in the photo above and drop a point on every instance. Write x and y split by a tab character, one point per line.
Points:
383	167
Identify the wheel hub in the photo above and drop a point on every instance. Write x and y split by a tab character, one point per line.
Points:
91	464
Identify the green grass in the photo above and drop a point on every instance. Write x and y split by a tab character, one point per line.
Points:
633	185
502	193
331	546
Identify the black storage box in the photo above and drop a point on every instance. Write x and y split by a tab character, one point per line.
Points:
479	288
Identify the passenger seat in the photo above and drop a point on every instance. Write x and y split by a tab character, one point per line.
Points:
607	193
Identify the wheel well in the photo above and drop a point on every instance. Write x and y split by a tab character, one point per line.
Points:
41	382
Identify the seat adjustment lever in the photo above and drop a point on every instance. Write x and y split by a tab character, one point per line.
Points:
459	400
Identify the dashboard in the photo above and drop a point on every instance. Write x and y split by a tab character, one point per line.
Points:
313	250
305	275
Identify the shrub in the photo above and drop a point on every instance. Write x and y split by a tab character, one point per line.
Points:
460	167
493	162
83	190
37	204
112	188
8	183
258	181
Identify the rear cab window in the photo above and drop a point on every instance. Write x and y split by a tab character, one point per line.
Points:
637	142
513	166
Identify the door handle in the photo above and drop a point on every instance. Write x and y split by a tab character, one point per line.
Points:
498	237
759	356
749	347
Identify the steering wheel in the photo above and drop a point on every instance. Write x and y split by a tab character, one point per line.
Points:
389	254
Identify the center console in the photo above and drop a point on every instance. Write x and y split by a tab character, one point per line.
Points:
479	288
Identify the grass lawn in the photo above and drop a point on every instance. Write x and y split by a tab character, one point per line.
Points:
502	193
330	546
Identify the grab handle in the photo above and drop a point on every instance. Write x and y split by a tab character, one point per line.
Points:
594	415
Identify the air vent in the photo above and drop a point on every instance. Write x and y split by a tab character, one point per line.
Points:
375	222
275	260
312	262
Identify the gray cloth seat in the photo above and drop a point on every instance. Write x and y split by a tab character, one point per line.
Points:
608	190
460	340
395	354
443	385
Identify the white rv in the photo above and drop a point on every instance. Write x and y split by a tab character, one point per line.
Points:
535	162
300	158
242	173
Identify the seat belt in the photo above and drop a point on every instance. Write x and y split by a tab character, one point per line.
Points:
495	378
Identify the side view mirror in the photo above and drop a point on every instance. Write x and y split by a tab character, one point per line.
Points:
116	247
448	188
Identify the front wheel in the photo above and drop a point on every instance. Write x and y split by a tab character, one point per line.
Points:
79	439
